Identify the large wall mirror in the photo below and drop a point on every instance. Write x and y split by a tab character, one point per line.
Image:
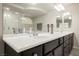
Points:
64	22
34	19
16	23
68	20
58	21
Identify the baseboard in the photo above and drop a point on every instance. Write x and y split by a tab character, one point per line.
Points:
76	47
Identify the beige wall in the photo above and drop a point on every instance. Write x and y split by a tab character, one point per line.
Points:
1	42
74	9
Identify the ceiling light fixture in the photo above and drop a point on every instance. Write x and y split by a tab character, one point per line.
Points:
59	7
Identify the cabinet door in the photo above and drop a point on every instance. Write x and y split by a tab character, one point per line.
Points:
50	45
36	51
66	51
66	43
58	51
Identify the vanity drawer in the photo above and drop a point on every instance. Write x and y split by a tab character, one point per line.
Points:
36	51
50	45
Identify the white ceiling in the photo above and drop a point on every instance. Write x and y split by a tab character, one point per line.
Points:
32	10
29	9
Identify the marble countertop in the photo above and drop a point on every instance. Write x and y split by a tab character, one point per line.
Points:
23	42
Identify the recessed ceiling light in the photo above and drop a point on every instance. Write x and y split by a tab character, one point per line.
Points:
7	8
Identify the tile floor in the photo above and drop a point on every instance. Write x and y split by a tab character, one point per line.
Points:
74	52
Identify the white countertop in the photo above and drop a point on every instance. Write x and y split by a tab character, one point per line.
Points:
23	42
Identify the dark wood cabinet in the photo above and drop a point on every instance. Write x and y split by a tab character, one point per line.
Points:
36	51
58	47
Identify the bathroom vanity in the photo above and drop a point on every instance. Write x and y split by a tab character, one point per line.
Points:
36	31
57	44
